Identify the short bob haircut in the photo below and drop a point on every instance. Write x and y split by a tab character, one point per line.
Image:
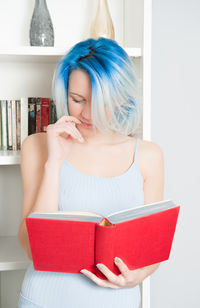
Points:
113	84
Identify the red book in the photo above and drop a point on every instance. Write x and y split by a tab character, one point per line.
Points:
68	241
45	120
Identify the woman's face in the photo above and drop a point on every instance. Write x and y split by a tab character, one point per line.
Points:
79	99
79	96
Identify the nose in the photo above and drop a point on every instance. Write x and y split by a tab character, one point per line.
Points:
86	113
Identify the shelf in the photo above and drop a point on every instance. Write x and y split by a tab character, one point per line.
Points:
44	54
12	256
10	157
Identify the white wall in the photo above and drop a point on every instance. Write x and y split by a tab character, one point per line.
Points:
176	128
71	21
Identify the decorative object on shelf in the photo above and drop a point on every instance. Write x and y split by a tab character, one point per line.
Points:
102	25
41	31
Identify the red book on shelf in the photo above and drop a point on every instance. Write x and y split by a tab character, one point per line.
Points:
45	120
68	241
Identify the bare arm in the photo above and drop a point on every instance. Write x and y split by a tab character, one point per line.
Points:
42	155
153	183
40	179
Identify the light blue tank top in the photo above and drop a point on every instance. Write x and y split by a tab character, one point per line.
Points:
103	195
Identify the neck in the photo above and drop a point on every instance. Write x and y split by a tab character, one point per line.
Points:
104	139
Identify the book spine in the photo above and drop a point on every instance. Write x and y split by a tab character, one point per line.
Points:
18	119
4	125
14	125
31	115
105	248
38	114
9	102
45	113
55	112
0	128
51	112
24	118
53	116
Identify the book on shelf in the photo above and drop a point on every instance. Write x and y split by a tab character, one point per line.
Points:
4	135
68	241
0	127
14	125
9	119
20	118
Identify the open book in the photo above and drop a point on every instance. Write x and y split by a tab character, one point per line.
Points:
68	241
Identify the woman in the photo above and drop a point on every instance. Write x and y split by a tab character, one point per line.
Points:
89	160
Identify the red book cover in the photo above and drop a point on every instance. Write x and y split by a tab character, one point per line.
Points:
69	245
45	106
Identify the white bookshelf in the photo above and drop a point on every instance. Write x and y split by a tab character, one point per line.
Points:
27	71
12	257
45	54
10	157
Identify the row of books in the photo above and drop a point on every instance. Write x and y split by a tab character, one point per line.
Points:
20	118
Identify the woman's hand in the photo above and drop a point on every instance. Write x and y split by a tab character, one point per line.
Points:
127	278
60	136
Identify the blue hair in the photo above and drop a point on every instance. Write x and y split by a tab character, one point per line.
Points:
113	84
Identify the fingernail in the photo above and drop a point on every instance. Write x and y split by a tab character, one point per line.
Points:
83	271
99	266
117	260
81	139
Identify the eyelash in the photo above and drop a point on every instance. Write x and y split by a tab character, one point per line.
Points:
77	100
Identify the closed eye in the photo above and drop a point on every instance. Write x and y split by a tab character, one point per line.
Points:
77	101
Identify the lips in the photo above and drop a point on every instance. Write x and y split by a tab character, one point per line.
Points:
86	124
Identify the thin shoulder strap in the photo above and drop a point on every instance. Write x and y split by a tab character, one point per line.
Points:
136	149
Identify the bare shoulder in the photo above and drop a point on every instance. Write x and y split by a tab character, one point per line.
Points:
150	148
34	148
35	138
150	156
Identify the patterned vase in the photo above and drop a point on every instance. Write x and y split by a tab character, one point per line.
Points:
41	28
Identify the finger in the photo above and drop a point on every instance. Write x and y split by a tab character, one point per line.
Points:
68	118
70	131
100	282
69	128
108	273
122	267
75	130
72	125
